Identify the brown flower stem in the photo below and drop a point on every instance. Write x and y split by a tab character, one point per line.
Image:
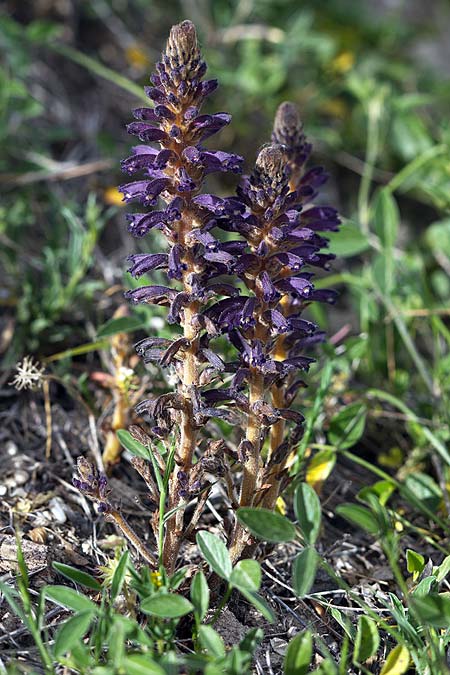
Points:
132	537
188	435
249	484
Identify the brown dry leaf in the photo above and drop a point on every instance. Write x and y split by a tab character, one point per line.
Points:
38	535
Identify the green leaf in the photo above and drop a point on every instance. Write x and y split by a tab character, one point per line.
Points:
304	571
200	595
367	640
415	562
382	489
167	605
397	662
308	512
347	427
132	445
246	574
215	553
141	664
349	241
424	488
67	597
123	324
266	525
443	569
78	576
72	630
299	654
360	516
386	217
433	610
259	603
119	575
425	587
211	641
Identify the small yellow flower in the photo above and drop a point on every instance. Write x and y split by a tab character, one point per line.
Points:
113	197
280	506
156	579
136	56
343	62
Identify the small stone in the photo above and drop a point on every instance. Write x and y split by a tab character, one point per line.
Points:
279	646
57	509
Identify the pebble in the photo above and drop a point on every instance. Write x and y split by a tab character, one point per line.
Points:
57	508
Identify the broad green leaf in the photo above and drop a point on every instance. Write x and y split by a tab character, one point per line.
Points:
167	605
386	217
119	575
141	664
200	595
266	525
211	641
397	662
425	587
304	571
78	576
246	574
367	640
72	630
360	516
415	563
299	654
215	553
349	241
382	489
67	597
308	512
259	603
424	488
347	426
132	445
443	569
123	324
433	610
320	467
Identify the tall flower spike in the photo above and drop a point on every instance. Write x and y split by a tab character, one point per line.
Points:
174	168
271	339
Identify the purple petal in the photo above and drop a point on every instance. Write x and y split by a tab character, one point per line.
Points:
185	182
176	266
277	321
145	114
270	293
297	285
146	132
141	223
179	301
211	203
151	294
144	262
221	161
163	112
155	94
324	295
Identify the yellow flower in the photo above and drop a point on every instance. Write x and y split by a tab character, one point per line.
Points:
113	197
280	506
156	579
136	56
343	62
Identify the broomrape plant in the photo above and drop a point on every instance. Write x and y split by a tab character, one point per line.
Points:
238	268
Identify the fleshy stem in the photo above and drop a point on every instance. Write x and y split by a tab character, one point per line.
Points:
132	537
189	378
